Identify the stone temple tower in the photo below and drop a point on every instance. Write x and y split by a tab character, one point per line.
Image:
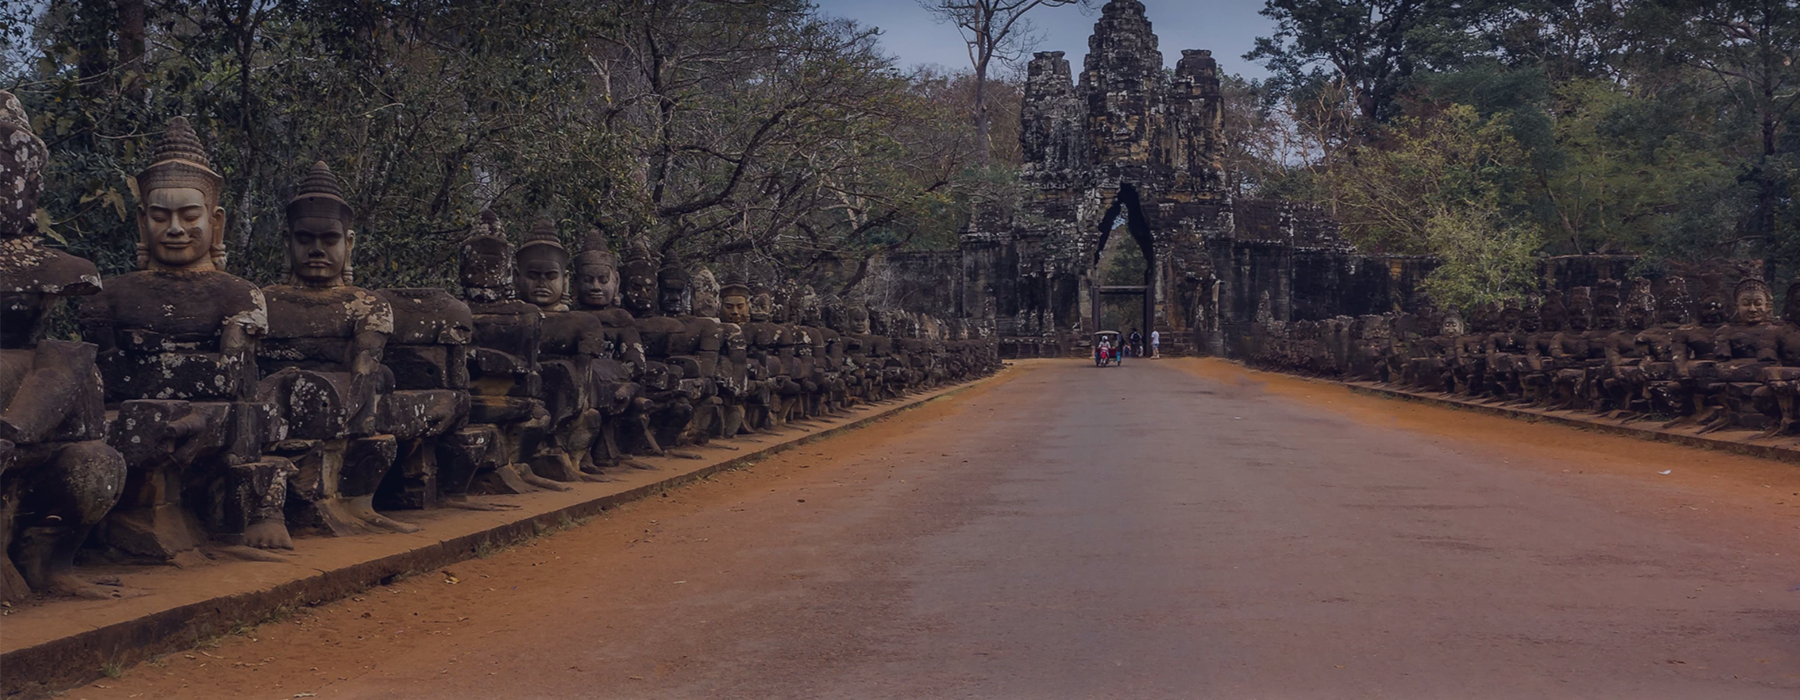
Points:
1129	147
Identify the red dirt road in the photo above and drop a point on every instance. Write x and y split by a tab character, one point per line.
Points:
1166	529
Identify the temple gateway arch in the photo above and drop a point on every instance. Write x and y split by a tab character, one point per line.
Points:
1128	148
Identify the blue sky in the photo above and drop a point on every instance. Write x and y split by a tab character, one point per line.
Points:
1228	27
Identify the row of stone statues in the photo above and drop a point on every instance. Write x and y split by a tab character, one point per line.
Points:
1699	352
199	412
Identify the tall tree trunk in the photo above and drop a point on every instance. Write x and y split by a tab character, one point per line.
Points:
131	49
985	149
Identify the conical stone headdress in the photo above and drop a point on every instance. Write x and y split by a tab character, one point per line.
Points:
595	251
181	161
320	195
543	236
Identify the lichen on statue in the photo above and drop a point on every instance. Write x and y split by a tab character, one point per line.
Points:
58	477
178	342
322	368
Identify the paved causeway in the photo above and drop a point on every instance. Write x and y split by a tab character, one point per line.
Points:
1167	529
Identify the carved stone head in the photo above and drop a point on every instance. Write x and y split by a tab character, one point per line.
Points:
762	307
596	274
486	271
859	319
706	293
1580	313
1451	325
22	160
639	277
1640	305
672	290
181	226
1711	310
1755	303
319	237
1530	318
1510	316
804	307
1672	305
1606	305
734	299
834	312
543	268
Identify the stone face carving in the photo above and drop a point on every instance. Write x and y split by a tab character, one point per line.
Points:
209	412
178	343
505	379
52	428
1635	349
572	342
322	368
619	372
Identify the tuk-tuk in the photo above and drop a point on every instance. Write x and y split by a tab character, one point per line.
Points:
1109	346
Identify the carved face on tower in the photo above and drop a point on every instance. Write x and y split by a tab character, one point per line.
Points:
1754	302
22	159
181	226
318	231
671	290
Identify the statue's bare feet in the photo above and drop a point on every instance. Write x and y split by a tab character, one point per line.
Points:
684	455
268	534
634	464
363	507
70	585
529	477
594	478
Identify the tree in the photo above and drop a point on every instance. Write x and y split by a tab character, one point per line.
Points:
1373	47
1437	185
993	30
1749	50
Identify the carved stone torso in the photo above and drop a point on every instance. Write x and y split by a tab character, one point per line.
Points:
159	334
504	361
317	329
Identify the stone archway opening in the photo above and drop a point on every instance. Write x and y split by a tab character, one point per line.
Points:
1121	276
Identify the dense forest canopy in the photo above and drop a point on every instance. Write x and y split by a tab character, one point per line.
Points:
750	128
1480	131
1486	131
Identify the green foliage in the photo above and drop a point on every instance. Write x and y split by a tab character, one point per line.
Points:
1664	128
713	127
1437	186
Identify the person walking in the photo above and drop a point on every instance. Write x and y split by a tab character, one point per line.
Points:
1137	343
1155	345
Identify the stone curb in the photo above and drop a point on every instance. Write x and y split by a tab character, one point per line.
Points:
1724	443
79	658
